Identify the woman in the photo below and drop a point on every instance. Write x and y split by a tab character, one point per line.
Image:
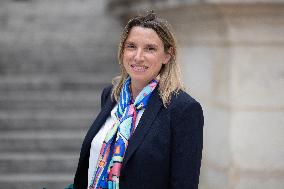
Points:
148	134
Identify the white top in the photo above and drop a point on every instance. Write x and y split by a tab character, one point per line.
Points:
99	139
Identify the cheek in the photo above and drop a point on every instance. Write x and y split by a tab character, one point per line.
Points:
158	60
127	57
124	58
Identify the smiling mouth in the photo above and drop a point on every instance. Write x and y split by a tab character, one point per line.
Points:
139	68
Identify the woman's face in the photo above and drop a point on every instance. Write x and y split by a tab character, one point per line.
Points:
143	55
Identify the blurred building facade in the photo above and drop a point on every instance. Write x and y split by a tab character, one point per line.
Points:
55	58
56	55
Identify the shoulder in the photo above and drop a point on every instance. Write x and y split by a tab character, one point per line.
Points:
107	90
106	94
183	107
182	101
186	113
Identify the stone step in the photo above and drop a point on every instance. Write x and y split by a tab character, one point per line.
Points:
58	82
41	141
45	121
48	37
51	95
51	15
57	104
36	181
22	163
15	62
56	100
55	58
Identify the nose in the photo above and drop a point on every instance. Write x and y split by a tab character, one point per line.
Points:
139	55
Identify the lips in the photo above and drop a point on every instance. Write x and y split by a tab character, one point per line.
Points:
139	68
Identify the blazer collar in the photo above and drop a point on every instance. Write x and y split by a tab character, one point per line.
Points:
144	125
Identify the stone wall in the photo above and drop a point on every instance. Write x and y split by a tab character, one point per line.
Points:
233	63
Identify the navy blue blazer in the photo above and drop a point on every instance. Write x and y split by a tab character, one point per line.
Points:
165	150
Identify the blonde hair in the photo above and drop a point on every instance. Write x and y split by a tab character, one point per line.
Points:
170	75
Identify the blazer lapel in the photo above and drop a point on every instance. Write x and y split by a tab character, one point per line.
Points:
144	125
99	121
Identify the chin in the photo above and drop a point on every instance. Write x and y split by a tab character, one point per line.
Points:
140	79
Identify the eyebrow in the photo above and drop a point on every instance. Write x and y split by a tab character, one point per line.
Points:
149	44
129	42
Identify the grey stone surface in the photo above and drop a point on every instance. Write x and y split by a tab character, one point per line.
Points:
55	58
261	145
38	163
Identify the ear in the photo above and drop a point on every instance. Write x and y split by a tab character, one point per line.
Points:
168	55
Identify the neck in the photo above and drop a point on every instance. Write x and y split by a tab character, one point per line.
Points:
136	89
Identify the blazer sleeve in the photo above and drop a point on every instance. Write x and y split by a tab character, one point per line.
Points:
186	148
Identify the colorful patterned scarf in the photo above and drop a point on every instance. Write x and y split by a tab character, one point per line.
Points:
107	172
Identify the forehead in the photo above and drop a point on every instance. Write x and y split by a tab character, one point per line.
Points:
143	35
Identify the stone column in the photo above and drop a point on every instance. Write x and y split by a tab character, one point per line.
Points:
233	62
257	96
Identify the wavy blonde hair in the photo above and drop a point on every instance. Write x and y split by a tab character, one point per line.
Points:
169	75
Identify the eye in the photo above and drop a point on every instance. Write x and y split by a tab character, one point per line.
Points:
130	46
150	49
